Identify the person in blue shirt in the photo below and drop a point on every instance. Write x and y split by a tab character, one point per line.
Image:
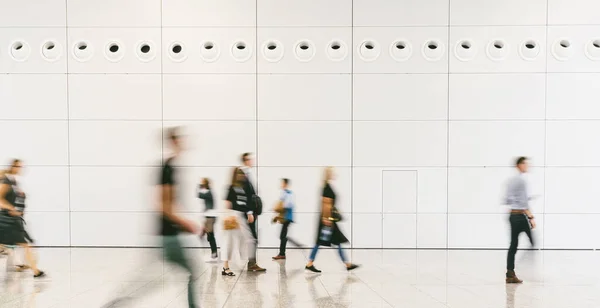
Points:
288	202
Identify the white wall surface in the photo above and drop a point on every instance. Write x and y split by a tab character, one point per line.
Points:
421	106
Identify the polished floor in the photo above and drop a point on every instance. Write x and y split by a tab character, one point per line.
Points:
91	277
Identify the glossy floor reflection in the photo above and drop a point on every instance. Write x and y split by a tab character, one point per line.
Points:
389	278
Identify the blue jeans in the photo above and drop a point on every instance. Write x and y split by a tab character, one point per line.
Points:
315	249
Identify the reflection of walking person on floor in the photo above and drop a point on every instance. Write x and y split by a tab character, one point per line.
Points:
328	232
521	219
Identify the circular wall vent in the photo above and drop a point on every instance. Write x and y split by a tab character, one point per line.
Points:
51	51
145	51
177	52
83	51
114	51
19	51
336	50
240	51
497	50
529	50
562	49
273	51
369	50
592	49
433	50
465	50
304	51
401	50
209	51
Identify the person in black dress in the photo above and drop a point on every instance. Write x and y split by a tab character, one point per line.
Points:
205	193
12	225
328	232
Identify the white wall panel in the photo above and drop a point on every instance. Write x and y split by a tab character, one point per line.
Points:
478	230
288	58
572	190
400	13
18	101
113	13
207	13
490	12
114	189
36	142
304	143
367	230
280	97
495	143
571	96
497	96
483	55
400	143
21	50
223	57
47	188
582	53
399	191
573	12
571	143
49	228
482	190
40	13
399	231
400	97
367	192
418	57
307	185
126	229
216	143
578	235
209	97
101	97
431	230
115	143
304	13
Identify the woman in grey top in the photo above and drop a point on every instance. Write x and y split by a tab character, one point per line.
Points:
205	194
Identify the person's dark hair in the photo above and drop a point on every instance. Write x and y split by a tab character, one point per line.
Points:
286	181
245	156
234	178
14	162
520	160
173	133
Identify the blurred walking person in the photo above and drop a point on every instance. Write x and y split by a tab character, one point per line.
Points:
285	207
254	204
521	219
328	232
12	223
205	193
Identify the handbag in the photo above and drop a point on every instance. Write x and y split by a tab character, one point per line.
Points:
258	206
231	223
336	215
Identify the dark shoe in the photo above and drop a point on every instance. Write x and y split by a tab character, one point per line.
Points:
312	268
227	272
40	274
256	268
511	277
279	257
352	266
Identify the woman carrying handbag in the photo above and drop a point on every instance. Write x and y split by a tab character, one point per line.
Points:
328	232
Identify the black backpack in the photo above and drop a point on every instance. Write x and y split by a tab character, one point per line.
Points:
258	206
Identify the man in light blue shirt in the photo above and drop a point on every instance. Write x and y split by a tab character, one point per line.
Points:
287	199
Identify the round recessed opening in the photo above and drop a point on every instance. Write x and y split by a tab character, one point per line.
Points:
335	46
369	51
19	51
400	50
82	46
272	51
303	46
82	51
51	51
18	46
465	45
272	46
565	44
498	44
497	50
596	43
592	49
561	49
464	50
369	46
400	45
145	51
113	52
145	48
304	51
433	50
177	52
240	46
336	50
50	46
432	45
530	45
209	51
176	48
113	48
241	51
208	46
529	50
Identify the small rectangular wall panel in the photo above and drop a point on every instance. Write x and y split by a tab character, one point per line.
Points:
41	13
41	143
209	97
208	13
400	13
480	143
431	231
572	231
580	56
307	186
483	55
97	57
225	56
113	13
275	13
478	231
115	97
304	143
22	50
383	56
18	100
400	191
571	96
318	57
389	97
280	97
573	143
572	190
49	228
497	96
491	12
482	190
399	231
47	188
367	231
127	229
215	143
115	143
573	12
417	144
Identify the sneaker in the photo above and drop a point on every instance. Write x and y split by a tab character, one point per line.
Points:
312	268
279	257
40	274
352	266
256	268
